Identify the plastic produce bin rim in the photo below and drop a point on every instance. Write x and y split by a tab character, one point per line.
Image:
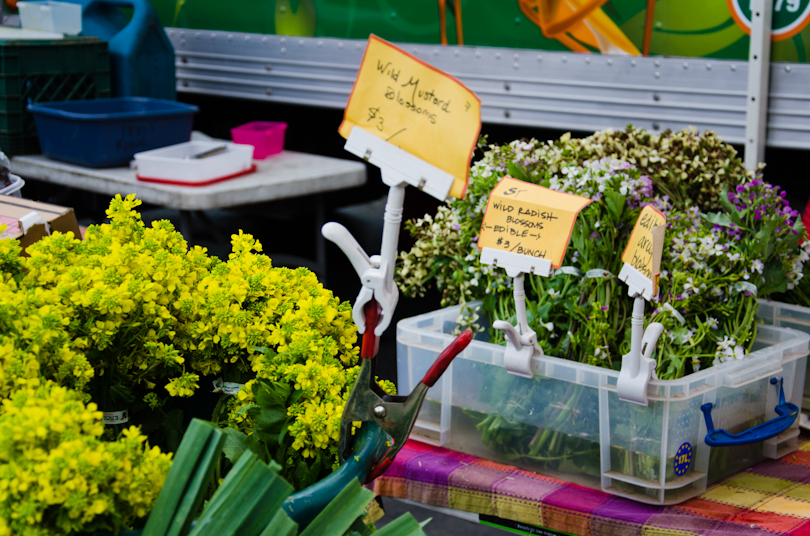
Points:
45	2
68	40
156	154
730	367
261	126
54	109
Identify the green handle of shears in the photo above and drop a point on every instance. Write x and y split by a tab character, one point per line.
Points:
305	505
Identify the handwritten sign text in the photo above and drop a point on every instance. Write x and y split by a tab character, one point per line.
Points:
530	220
417	107
643	251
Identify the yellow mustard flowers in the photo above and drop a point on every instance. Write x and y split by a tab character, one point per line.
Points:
34	340
132	318
56	475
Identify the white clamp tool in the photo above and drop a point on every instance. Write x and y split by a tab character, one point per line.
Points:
638	366
521	343
399	168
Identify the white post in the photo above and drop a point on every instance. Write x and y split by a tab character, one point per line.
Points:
520	304
392	220
638	366
759	63
637	323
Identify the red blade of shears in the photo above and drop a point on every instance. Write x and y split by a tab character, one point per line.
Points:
446	357
371	342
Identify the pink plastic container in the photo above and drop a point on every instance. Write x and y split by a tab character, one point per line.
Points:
266	137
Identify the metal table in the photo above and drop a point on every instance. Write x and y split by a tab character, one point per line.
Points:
286	175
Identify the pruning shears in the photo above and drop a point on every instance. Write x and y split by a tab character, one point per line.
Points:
386	420
395	415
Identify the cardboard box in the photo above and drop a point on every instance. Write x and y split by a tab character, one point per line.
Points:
60	219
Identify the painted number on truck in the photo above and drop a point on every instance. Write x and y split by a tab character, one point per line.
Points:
789	16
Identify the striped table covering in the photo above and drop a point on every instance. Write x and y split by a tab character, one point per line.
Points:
770	498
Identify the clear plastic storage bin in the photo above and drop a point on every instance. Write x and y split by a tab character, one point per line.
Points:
567	422
788	316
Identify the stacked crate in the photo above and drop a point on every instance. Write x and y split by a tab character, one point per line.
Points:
46	71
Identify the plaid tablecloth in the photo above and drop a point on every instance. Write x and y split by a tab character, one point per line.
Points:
770	498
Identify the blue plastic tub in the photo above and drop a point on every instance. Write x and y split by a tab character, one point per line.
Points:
108	132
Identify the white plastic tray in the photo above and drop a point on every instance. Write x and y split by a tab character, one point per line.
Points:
622	448
49	16
175	164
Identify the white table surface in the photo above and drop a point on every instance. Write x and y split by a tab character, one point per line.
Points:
285	175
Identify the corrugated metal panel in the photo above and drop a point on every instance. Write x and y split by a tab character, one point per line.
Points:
516	86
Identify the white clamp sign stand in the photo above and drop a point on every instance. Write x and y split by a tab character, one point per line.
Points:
399	168
521	343
638	367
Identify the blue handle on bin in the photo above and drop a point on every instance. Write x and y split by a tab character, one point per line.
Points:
786	412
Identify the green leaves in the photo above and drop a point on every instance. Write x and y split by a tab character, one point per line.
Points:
721	219
264	350
774	278
519	172
270	438
342	512
171	423
615	204
306	473
724	201
249	500
270	419
763	244
187	481
246	502
281	525
237	443
404	525
271	394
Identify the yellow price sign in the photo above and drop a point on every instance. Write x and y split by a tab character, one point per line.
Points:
531	220
416	107
643	251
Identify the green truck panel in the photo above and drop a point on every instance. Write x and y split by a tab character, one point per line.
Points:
691	28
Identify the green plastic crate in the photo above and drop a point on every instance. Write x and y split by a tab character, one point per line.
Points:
46	71
16	144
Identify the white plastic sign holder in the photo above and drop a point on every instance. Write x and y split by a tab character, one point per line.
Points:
398	166
521	343
638	366
399	169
